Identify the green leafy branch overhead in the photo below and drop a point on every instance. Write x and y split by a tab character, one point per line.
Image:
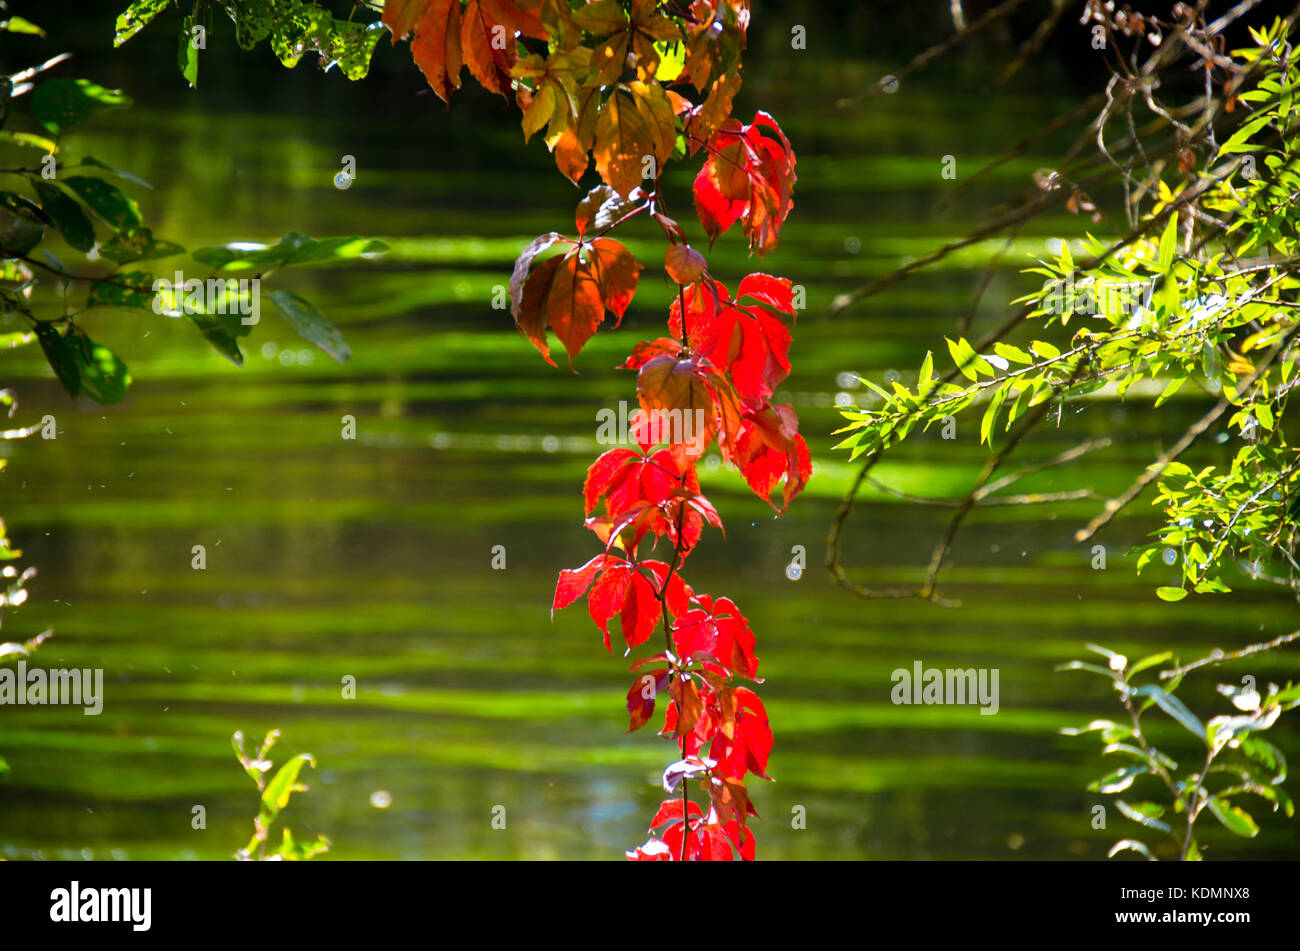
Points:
84	210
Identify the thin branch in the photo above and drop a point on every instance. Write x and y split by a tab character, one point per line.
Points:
1218	656
924	59
1193	433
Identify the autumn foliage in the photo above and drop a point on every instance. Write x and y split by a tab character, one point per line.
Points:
627	87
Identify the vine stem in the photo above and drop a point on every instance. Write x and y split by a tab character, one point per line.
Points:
1194	803
668	640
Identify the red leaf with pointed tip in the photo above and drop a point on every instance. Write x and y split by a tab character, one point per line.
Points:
748	748
645	493
619	588
746	341
573	583
436	44
678	595
769	449
605	475
749	177
742	837
717	629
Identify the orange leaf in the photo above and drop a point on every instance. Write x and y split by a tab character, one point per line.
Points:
487	39
634	136
571	293
684	264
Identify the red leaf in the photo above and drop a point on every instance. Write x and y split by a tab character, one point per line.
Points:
620	588
482	37
769	449
686	391
573	583
436	44
748	748
750	177
653	851
678	594
605	474
624	477
742	837
686	695
671	810
719	630
730	801
747	342
641	696
647	350
714	846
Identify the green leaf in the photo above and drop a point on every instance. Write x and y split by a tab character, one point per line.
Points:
311	325
1119	780
964	357
293	248
22	223
278	790
1044	349
1145	813
1175	708
1168	244
218	331
1239	141
60	357
137	292
1091	668
135	18
292	851
61	103
1235	819
991	413
1130	845
1148	662
1266	754
107	201
187	54
19	25
104	377
66	215
1171	594
138	244
120	173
